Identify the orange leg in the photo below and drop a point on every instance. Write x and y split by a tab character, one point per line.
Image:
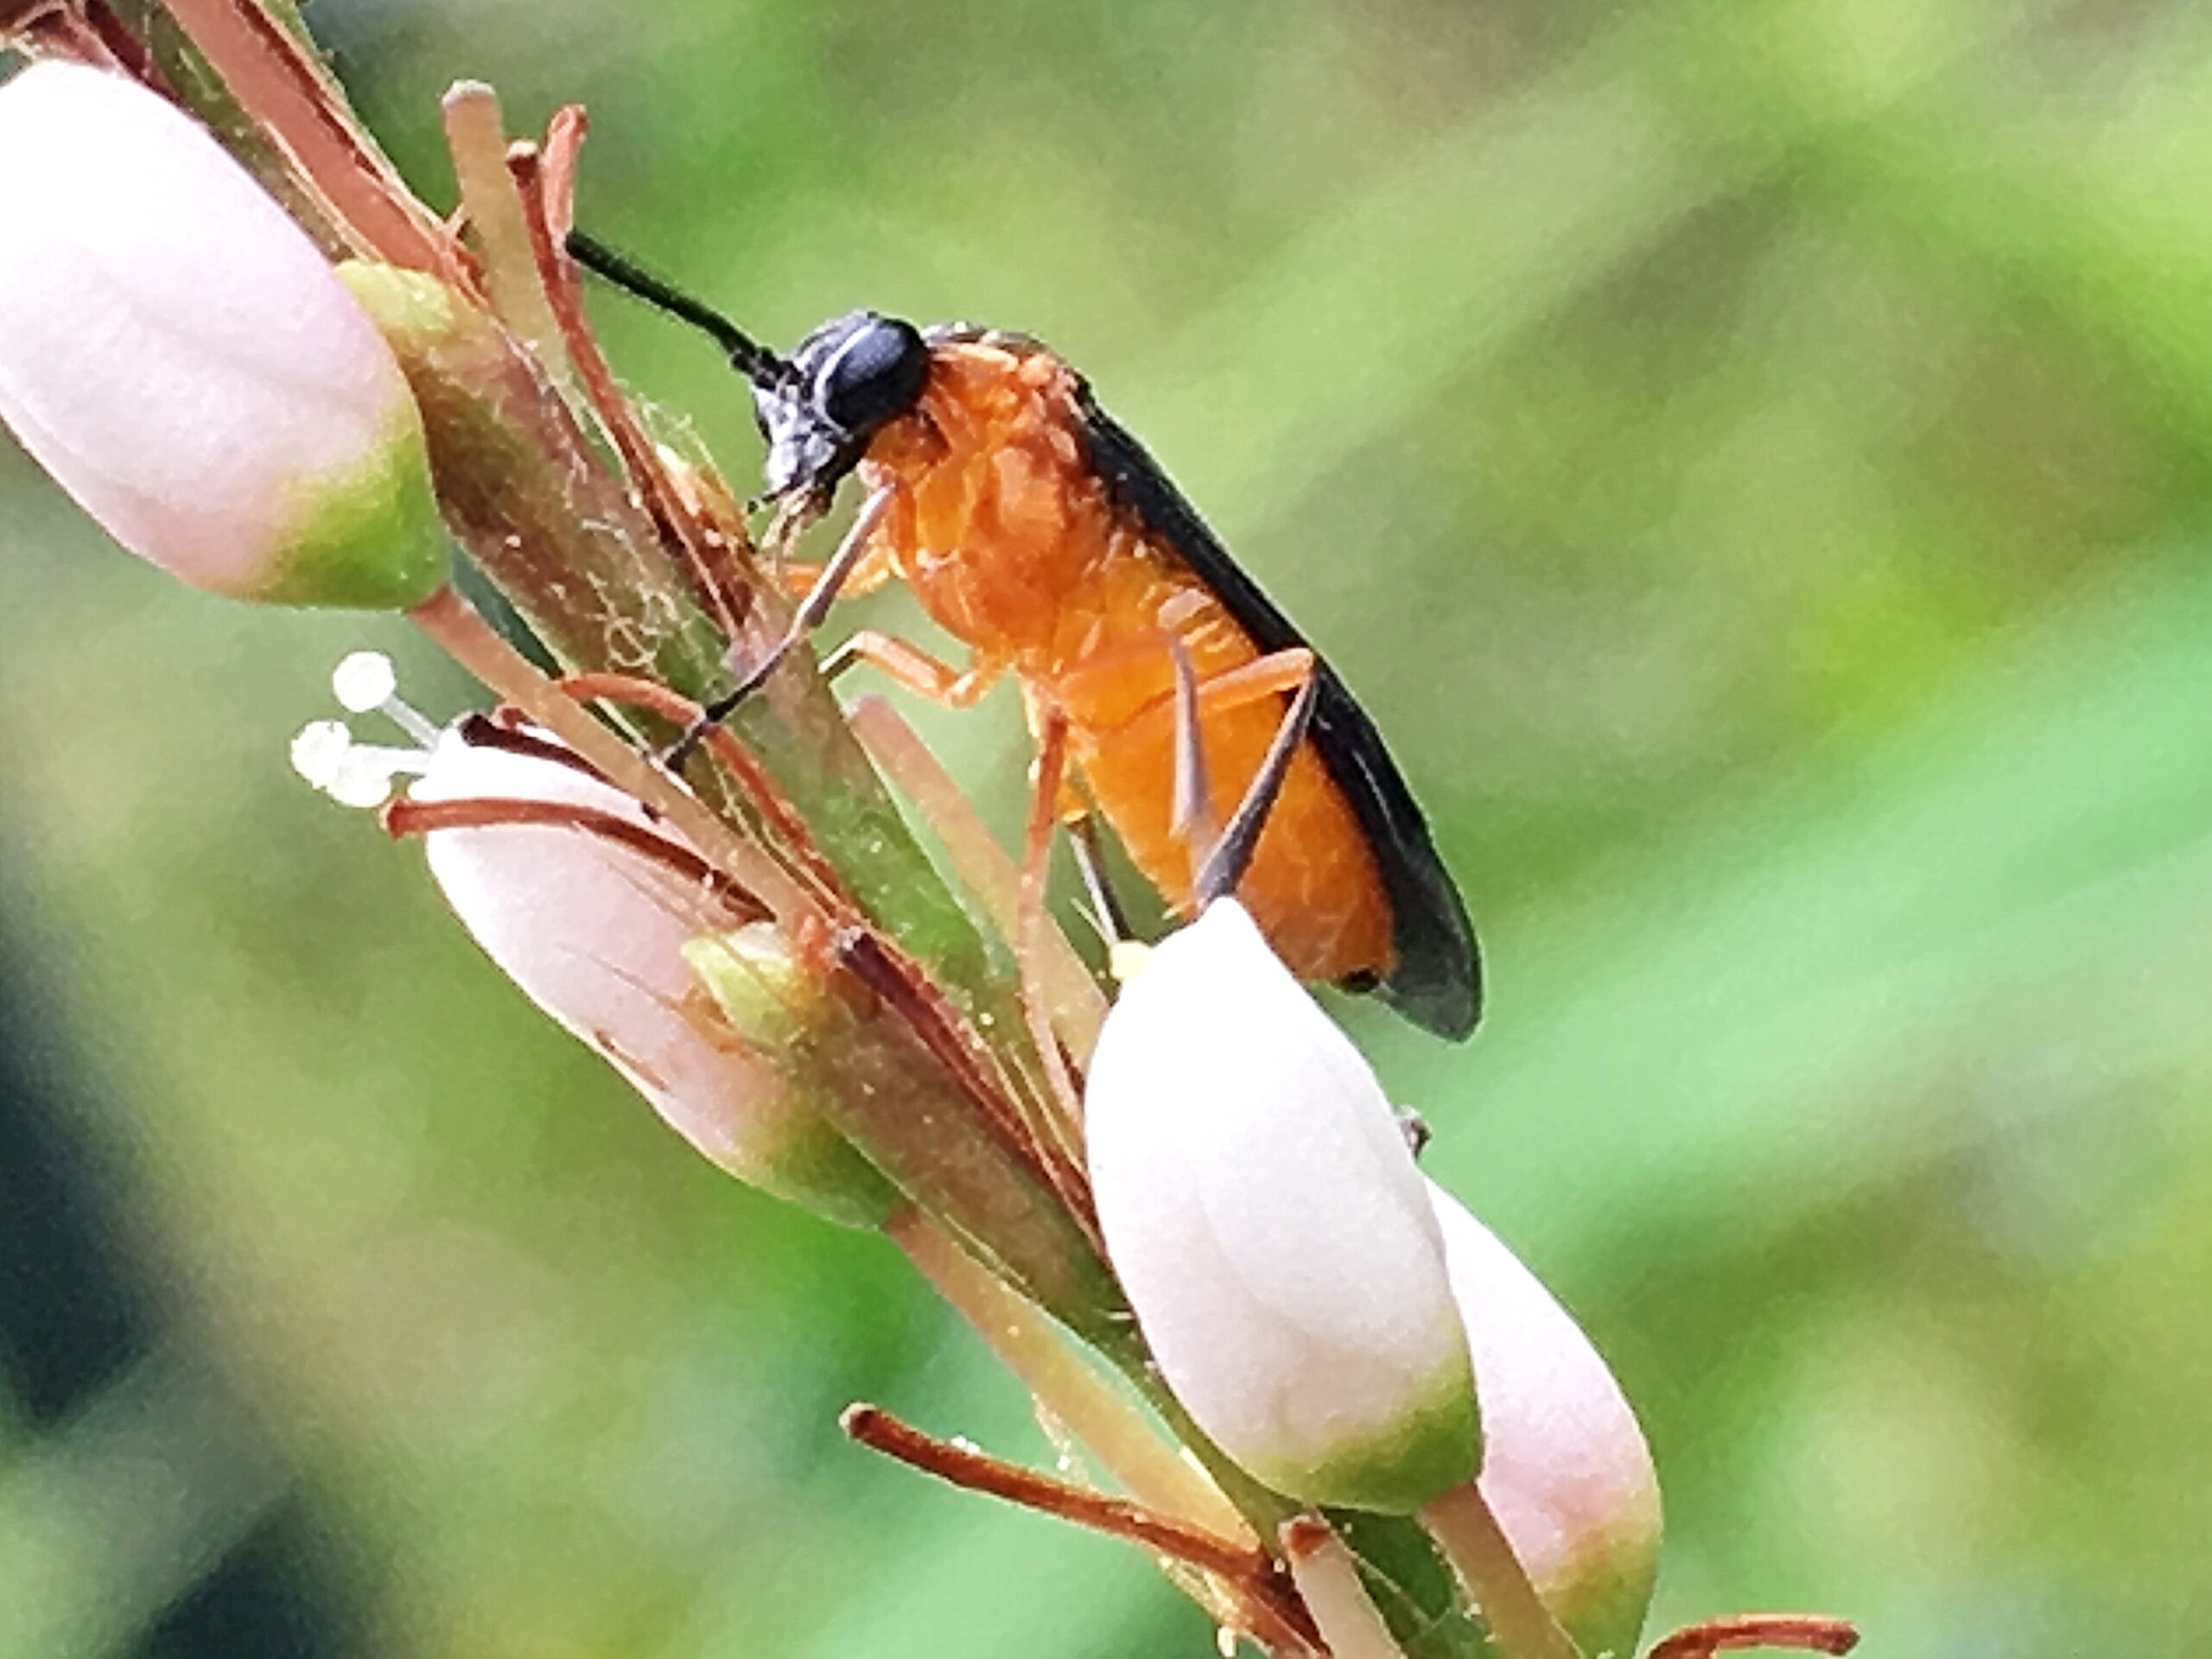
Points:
1192	702
1191	705
1220	865
1063	1130
853	553
797	579
1219	853
1048	731
1280	673
909	665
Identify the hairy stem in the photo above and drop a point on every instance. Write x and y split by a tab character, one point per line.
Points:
453	624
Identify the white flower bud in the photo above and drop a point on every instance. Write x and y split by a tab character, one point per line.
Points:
593	930
1565	1467
1274	1237
186	364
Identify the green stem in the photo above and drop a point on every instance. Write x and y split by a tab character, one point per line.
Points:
1329	1583
1099	1415
1520	1625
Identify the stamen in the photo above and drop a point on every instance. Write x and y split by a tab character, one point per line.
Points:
363	779
366	774
364	683
351	773
1267	1599
319	750
1807	1632
410	816
959	1462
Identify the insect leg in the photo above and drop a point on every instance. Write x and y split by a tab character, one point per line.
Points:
1090	854
811	610
1030	925
1189	814
1191	707
1279	673
798	580
909	665
1285	670
1224	862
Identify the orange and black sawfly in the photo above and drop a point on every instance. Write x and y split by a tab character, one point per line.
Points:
1033	528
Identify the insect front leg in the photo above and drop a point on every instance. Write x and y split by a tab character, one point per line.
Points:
798	578
812	609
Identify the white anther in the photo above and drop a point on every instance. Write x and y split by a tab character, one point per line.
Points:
364	777
352	773
364	681
360	781
320	750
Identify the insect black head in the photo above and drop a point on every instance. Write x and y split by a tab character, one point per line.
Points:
820	406
848	378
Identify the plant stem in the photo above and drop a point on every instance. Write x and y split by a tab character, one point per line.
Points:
1027	1344
1328	1582
1811	1632
1521	1626
963	1466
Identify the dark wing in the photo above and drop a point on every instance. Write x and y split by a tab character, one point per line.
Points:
1437	980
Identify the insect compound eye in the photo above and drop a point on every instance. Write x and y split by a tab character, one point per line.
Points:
875	375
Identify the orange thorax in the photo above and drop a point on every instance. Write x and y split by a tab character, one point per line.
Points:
1012	544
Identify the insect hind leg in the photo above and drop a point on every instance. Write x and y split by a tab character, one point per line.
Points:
1221	865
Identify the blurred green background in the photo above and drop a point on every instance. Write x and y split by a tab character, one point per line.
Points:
1752	457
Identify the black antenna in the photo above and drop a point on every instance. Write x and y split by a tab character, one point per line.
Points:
1223	866
747	355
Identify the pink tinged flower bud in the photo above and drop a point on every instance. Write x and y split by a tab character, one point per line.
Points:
594	930
1274	1238
186	364
1565	1467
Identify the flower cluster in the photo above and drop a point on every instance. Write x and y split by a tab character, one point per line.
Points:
1390	1439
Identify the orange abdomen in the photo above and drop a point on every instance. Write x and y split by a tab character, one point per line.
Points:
1313	885
1013	545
